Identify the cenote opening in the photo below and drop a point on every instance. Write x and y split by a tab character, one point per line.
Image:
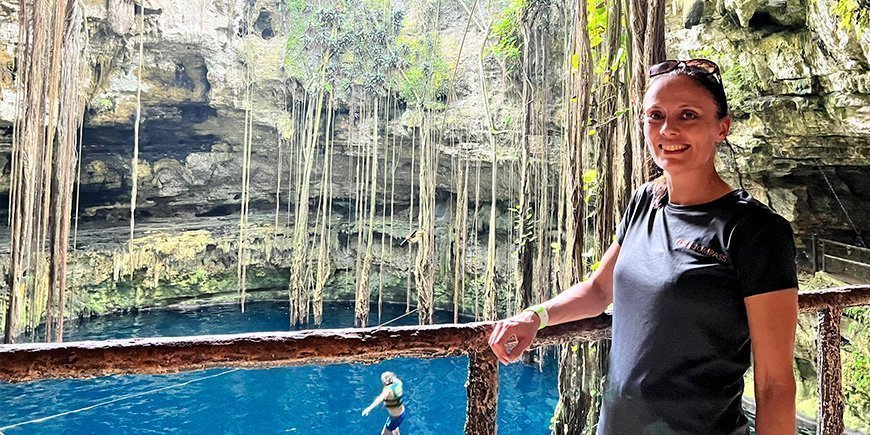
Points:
308	399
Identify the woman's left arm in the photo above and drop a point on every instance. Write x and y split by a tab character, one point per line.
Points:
772	322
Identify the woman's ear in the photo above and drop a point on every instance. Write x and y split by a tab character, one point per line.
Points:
724	127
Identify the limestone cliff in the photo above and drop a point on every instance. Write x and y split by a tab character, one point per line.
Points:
798	77
799	82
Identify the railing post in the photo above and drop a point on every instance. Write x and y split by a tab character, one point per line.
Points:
830	369
822	255
482	388
815	252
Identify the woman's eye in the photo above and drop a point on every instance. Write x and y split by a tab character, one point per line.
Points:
654	116
689	115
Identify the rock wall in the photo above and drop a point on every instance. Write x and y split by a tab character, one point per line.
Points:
195	55
798	79
799	84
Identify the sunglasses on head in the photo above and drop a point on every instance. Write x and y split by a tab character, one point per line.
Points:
702	66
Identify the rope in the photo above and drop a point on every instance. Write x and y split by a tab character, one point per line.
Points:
734	164
387	323
837	197
130	396
108	402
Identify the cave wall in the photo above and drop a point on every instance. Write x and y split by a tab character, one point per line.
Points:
798	82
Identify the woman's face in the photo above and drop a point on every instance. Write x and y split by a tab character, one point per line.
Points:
681	125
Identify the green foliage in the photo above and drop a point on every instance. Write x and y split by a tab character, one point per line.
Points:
596	17
856	384
739	82
598	14
859	314
852	15
506	30
507	121
426	75
294	57
587	259
199	276
590	185
346	46
740	85
103	104
856	366
355	49
524	225
855	328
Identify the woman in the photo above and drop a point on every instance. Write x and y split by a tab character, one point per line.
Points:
391	396
699	274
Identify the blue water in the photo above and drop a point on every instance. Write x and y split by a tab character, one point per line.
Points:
309	400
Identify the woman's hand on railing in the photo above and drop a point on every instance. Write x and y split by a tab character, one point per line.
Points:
512	336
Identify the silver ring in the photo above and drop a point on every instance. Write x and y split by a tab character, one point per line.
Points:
511	343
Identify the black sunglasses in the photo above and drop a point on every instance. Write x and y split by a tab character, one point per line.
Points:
702	66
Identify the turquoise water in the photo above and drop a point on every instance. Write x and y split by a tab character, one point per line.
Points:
309	399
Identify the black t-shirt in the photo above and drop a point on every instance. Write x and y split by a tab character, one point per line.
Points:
680	332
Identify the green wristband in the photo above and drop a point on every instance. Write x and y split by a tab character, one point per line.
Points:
541	311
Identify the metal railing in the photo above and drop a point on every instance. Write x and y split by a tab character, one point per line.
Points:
841	259
27	362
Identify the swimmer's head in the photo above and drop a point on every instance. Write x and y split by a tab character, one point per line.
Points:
388	377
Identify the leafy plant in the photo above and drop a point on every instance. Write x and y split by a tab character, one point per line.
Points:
740	85
294	61
103	104
354	49
598	15
344	46
524	225
590	184
425	75
852	15
856	366
506	29
739	82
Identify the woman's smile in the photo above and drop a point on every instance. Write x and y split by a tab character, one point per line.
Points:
674	149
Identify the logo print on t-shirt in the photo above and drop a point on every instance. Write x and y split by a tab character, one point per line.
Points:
701	249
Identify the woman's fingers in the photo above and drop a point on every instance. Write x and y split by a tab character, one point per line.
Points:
522	343
511	343
513	348
496	342
509	339
503	353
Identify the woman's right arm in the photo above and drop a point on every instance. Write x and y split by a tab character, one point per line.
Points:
378	400
582	300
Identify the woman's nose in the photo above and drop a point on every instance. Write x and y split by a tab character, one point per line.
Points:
668	128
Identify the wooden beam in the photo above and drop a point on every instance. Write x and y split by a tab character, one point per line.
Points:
482	390
842	297
831	404
85	359
26	362
596	328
